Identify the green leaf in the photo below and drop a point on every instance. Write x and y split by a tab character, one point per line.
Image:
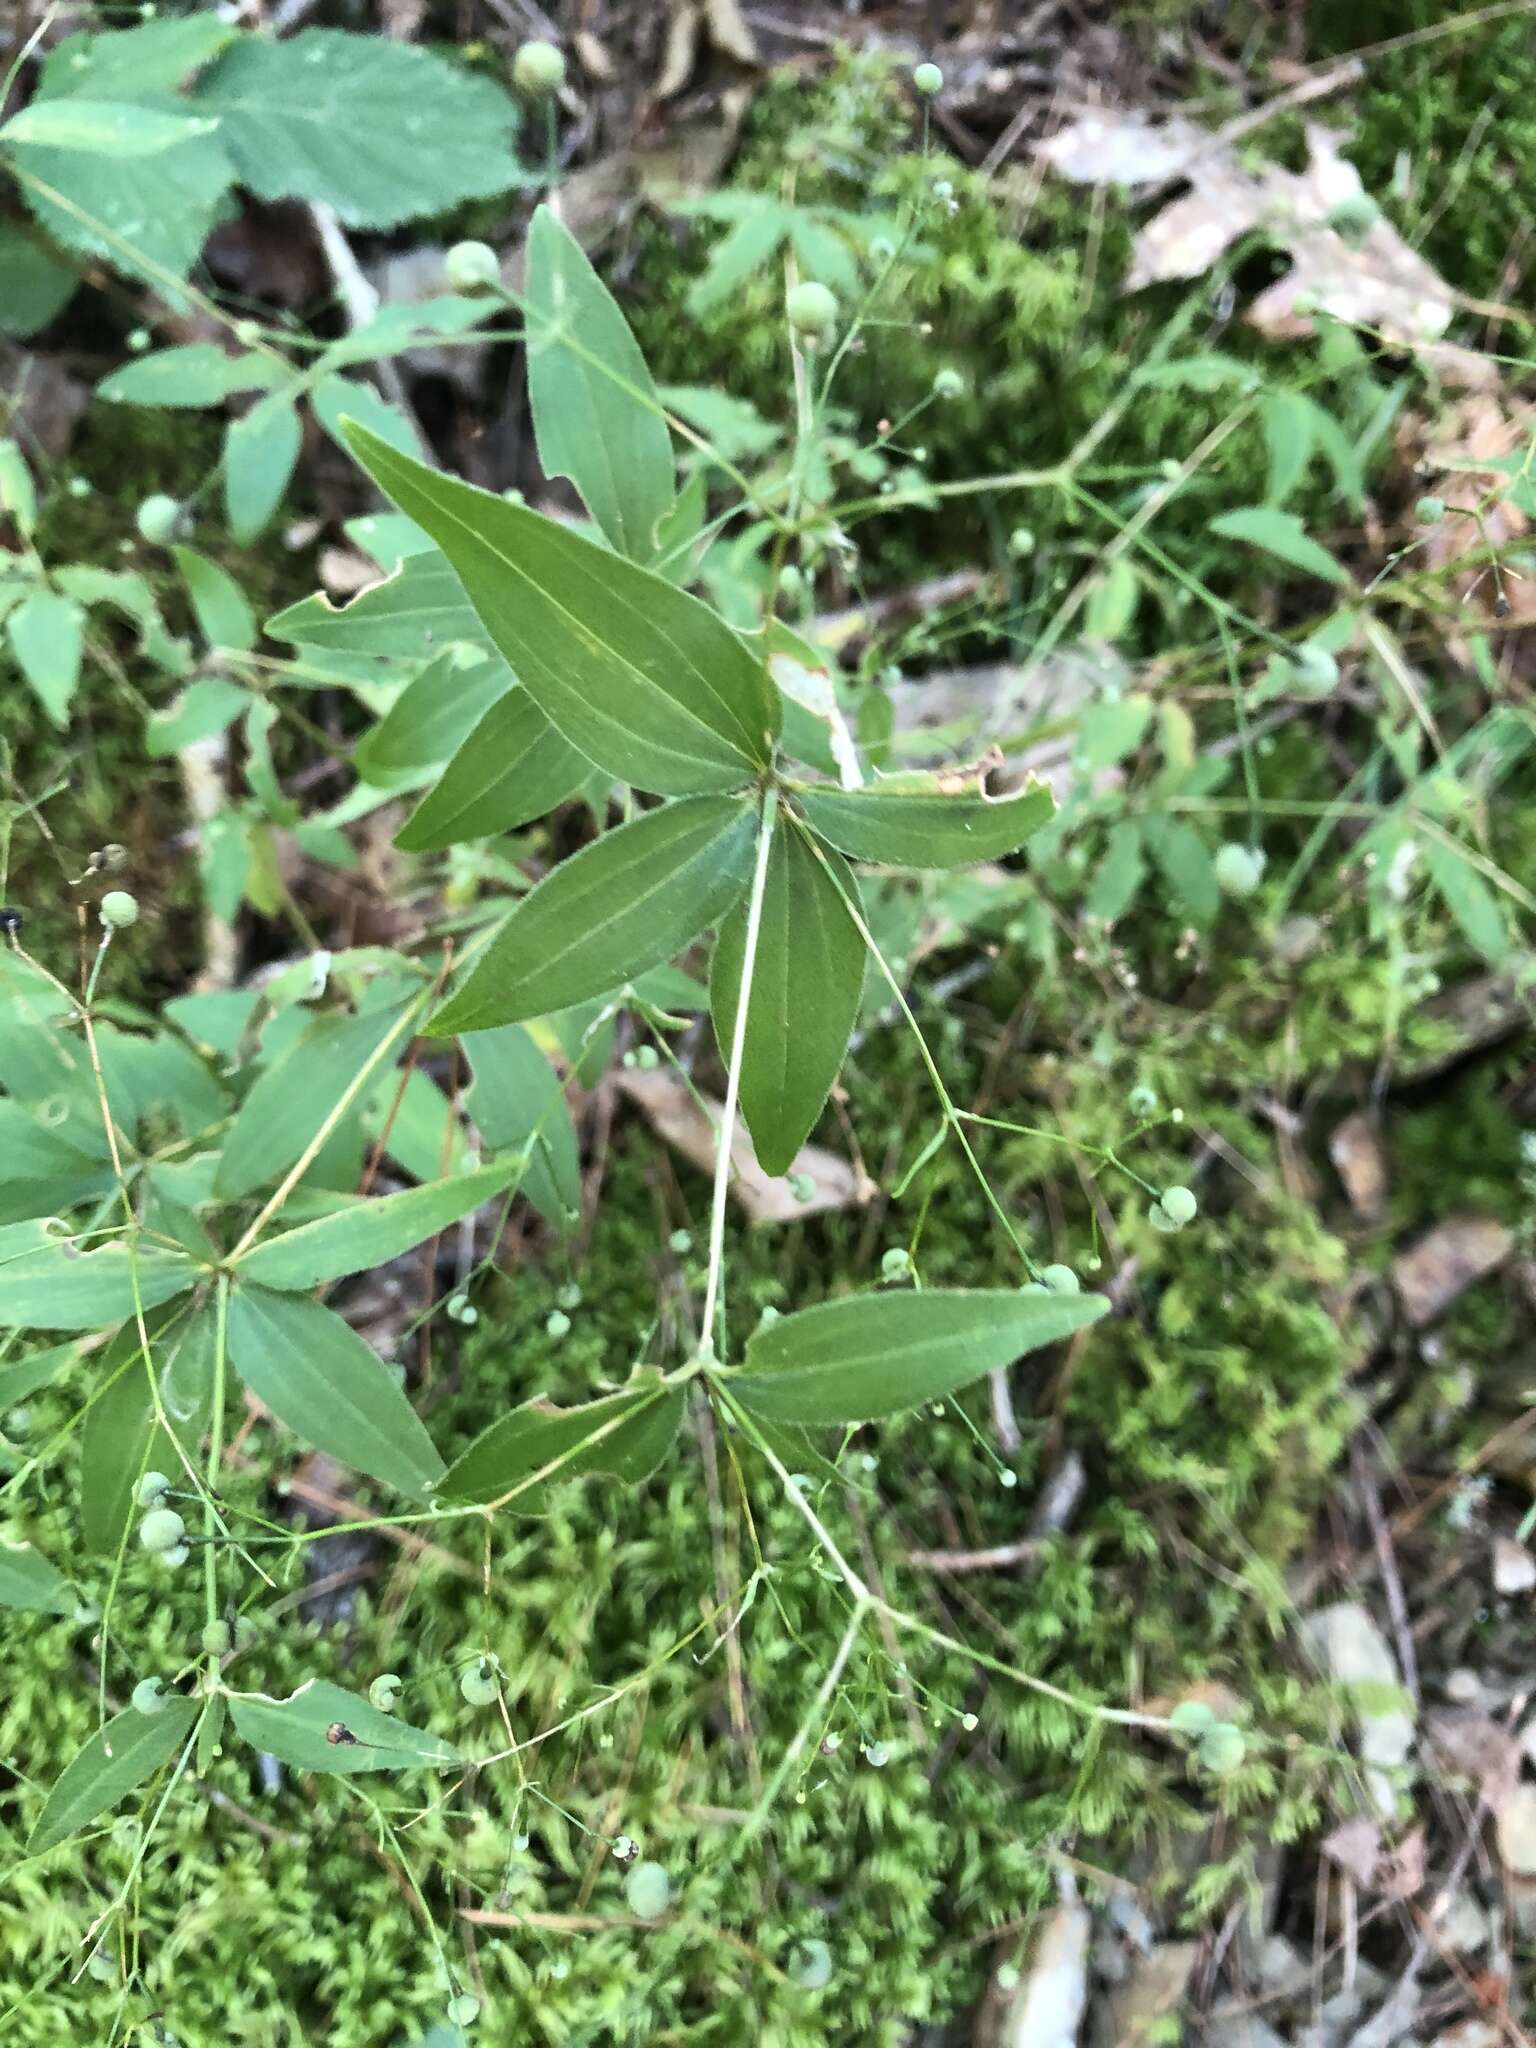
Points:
302	1732
48	1283
512	768
645	680
202	709
1111	729
1280	534
118	1758
417	1126
627	902
331	1389
342	398
433	715
223	615
260	450
114	128
122	1438
28	1580
35	286
807	980
418	611
382	131
518	1104
23	1376
293	1096
1286	418
536	1447
369	1232
1187	866
1120	874
1468	898
46	635
596	415
197	374
871	1355
912	821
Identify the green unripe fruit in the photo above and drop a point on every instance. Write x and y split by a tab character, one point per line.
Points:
1021	542
176	1555
217	1639
1159	1219
479	1686
895	1262
928	79
18	1422
158	520
538	70
149	1696
1353	218
464	2010
384	1693
161	1530
802	1187
948	383
118	910
1142	1100
1180	1205
791	580
1060	1280
557	1324
1222	1749
1314	669
1429	511
811	309
1192	1717
810	1965
151	1490
648	1891
1239	869
472	267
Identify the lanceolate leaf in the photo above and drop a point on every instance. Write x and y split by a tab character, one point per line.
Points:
642	678
129	1749
122	1438
434	714
419	610
48	1283
513	767
260	450
518	1102
919	825
27	1579
596	415
537	1446
46	633
807	978
876	1354
1280	534
316	1374
632	899
367	1233
321	1727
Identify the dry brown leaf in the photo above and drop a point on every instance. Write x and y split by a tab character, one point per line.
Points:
1446	1261
1479	430
676	1116
1356	1152
1374	280
1474	1746
1355	1845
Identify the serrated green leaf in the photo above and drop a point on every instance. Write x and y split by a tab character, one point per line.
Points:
202	709
871	1355
1282	535
122	1437
332	1390
418	611
118	1758
48	1283
596	415
321	1727
630	900
29	1581
517	1102
218	602
538	1446
46	633
433	715
913	821
197	374
382	131
643	679
1468	898
512	768
368	1232
260	450
807	980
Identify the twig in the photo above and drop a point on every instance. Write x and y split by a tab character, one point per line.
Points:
1392	1585
998	1558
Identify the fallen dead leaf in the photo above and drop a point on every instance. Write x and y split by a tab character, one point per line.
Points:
1445	1262
1153	1991
1472	1745
1355	1846
1356	1152
1373	279
676	1116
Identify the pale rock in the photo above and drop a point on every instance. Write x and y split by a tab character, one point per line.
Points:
1514	1568
1353	1652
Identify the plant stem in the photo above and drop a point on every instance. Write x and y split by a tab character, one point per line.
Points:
733	1080
215	1454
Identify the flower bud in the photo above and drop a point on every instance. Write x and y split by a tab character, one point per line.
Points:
927	79
118	910
811	310
538	70
472	267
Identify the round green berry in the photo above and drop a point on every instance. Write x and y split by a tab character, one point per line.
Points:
538	70
1239	869
1060	1280
161	1530
217	1639
149	1696
803	1187
810	1965
158	519
118	910
648	1890
1021	542
1429	511
928	79
1192	1717
557	1324
176	1556
18	1422
384	1693
478	1684
152	1490
1353	218
948	383
1314	669
811	309
1222	1749
791	580
464	2010
472	267
895	1262
1180	1205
